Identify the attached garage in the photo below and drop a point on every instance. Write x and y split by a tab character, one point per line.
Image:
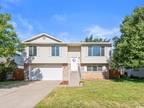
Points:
46	72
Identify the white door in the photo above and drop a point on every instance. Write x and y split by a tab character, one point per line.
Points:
74	64
47	73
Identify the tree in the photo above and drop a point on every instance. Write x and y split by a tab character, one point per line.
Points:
7	68
92	39
129	48
9	42
8	37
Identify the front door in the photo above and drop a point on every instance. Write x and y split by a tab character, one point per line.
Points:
74	64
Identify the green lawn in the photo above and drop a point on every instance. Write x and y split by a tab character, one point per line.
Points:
10	84
97	94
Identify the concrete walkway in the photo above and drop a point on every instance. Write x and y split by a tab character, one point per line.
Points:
26	96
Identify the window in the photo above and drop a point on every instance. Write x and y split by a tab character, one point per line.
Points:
91	68
95	50
99	68
94	68
55	50
32	51
110	53
102	51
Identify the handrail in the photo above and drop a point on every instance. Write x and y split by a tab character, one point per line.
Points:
28	59
79	70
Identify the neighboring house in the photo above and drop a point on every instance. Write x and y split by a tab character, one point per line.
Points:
135	72
2	60
19	60
48	58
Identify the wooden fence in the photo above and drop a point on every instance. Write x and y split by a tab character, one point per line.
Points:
18	74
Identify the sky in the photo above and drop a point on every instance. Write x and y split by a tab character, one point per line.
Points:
68	20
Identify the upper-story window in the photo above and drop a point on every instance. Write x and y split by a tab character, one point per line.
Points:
55	50
95	50
32	51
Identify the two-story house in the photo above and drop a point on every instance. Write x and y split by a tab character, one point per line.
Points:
48	58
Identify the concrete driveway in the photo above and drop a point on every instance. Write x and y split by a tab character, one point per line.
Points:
26	96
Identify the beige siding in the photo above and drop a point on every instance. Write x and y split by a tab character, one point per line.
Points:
94	59
44	39
44	55
66	52
74	51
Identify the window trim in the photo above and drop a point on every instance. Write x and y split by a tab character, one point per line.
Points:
92	68
91	47
32	50
55	50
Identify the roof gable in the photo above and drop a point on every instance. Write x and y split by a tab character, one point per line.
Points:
43	38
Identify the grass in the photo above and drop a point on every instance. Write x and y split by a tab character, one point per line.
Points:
10	84
97	94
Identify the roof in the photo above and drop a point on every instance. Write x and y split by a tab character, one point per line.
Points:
71	44
40	35
59	42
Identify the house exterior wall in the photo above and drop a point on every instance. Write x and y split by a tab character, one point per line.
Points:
44	40
94	59
67	51
74	51
44	55
94	75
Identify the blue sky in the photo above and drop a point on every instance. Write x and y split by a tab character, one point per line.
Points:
68	20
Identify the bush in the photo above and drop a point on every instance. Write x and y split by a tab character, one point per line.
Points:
7	69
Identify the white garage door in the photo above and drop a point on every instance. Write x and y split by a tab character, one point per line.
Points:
51	73
47	73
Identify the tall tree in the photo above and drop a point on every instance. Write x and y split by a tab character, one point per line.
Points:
129	48
92	39
8	37
9	44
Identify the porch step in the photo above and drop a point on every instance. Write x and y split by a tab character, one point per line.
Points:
74	79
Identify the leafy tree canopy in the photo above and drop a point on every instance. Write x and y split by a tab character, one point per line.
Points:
129	48
92	39
8	37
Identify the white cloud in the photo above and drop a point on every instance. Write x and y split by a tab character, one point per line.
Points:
64	36
102	32
14	24
7	3
59	17
24	22
13	1
23	27
69	37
